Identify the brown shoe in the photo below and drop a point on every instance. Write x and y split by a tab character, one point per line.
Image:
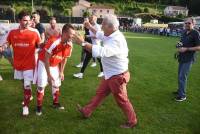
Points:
127	125
79	108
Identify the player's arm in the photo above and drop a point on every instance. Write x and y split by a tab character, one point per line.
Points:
62	68
40	41
46	32
47	67
42	35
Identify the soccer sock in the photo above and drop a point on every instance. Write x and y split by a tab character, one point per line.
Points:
27	96
56	94
40	96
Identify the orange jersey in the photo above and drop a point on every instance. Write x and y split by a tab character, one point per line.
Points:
57	50
24	44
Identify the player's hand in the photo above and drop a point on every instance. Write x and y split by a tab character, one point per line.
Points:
78	38
50	79
62	76
182	49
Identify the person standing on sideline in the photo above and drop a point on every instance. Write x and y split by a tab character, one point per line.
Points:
38	25
114	56
51	65
24	41
5	49
83	52
190	43
90	38
53	29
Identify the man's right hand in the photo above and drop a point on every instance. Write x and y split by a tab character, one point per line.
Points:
50	79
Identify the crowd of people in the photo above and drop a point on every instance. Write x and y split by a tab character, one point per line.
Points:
40	55
153	30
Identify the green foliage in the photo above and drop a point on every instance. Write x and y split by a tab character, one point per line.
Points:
86	14
181	16
66	7
146	10
44	11
62	7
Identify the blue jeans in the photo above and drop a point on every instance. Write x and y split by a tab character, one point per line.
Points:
183	71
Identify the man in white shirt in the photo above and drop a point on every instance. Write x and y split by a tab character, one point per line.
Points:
113	53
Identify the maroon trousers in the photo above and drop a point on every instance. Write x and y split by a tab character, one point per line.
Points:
117	86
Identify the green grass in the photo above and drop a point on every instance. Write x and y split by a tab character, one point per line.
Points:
153	78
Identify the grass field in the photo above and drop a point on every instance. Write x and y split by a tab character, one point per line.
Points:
154	73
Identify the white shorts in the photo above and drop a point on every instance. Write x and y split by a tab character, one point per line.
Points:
23	75
40	75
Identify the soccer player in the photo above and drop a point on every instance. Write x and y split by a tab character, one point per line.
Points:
51	64
24	41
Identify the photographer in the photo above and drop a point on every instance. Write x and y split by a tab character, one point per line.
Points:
186	48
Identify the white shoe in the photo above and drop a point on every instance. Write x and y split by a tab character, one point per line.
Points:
79	65
78	75
1	78
94	64
30	100
25	111
38	113
100	74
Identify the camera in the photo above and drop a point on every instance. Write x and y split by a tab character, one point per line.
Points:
179	44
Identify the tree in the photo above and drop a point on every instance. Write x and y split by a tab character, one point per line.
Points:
146	10
86	14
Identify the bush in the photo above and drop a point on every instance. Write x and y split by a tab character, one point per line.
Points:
43	12
146	10
86	14
180	16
